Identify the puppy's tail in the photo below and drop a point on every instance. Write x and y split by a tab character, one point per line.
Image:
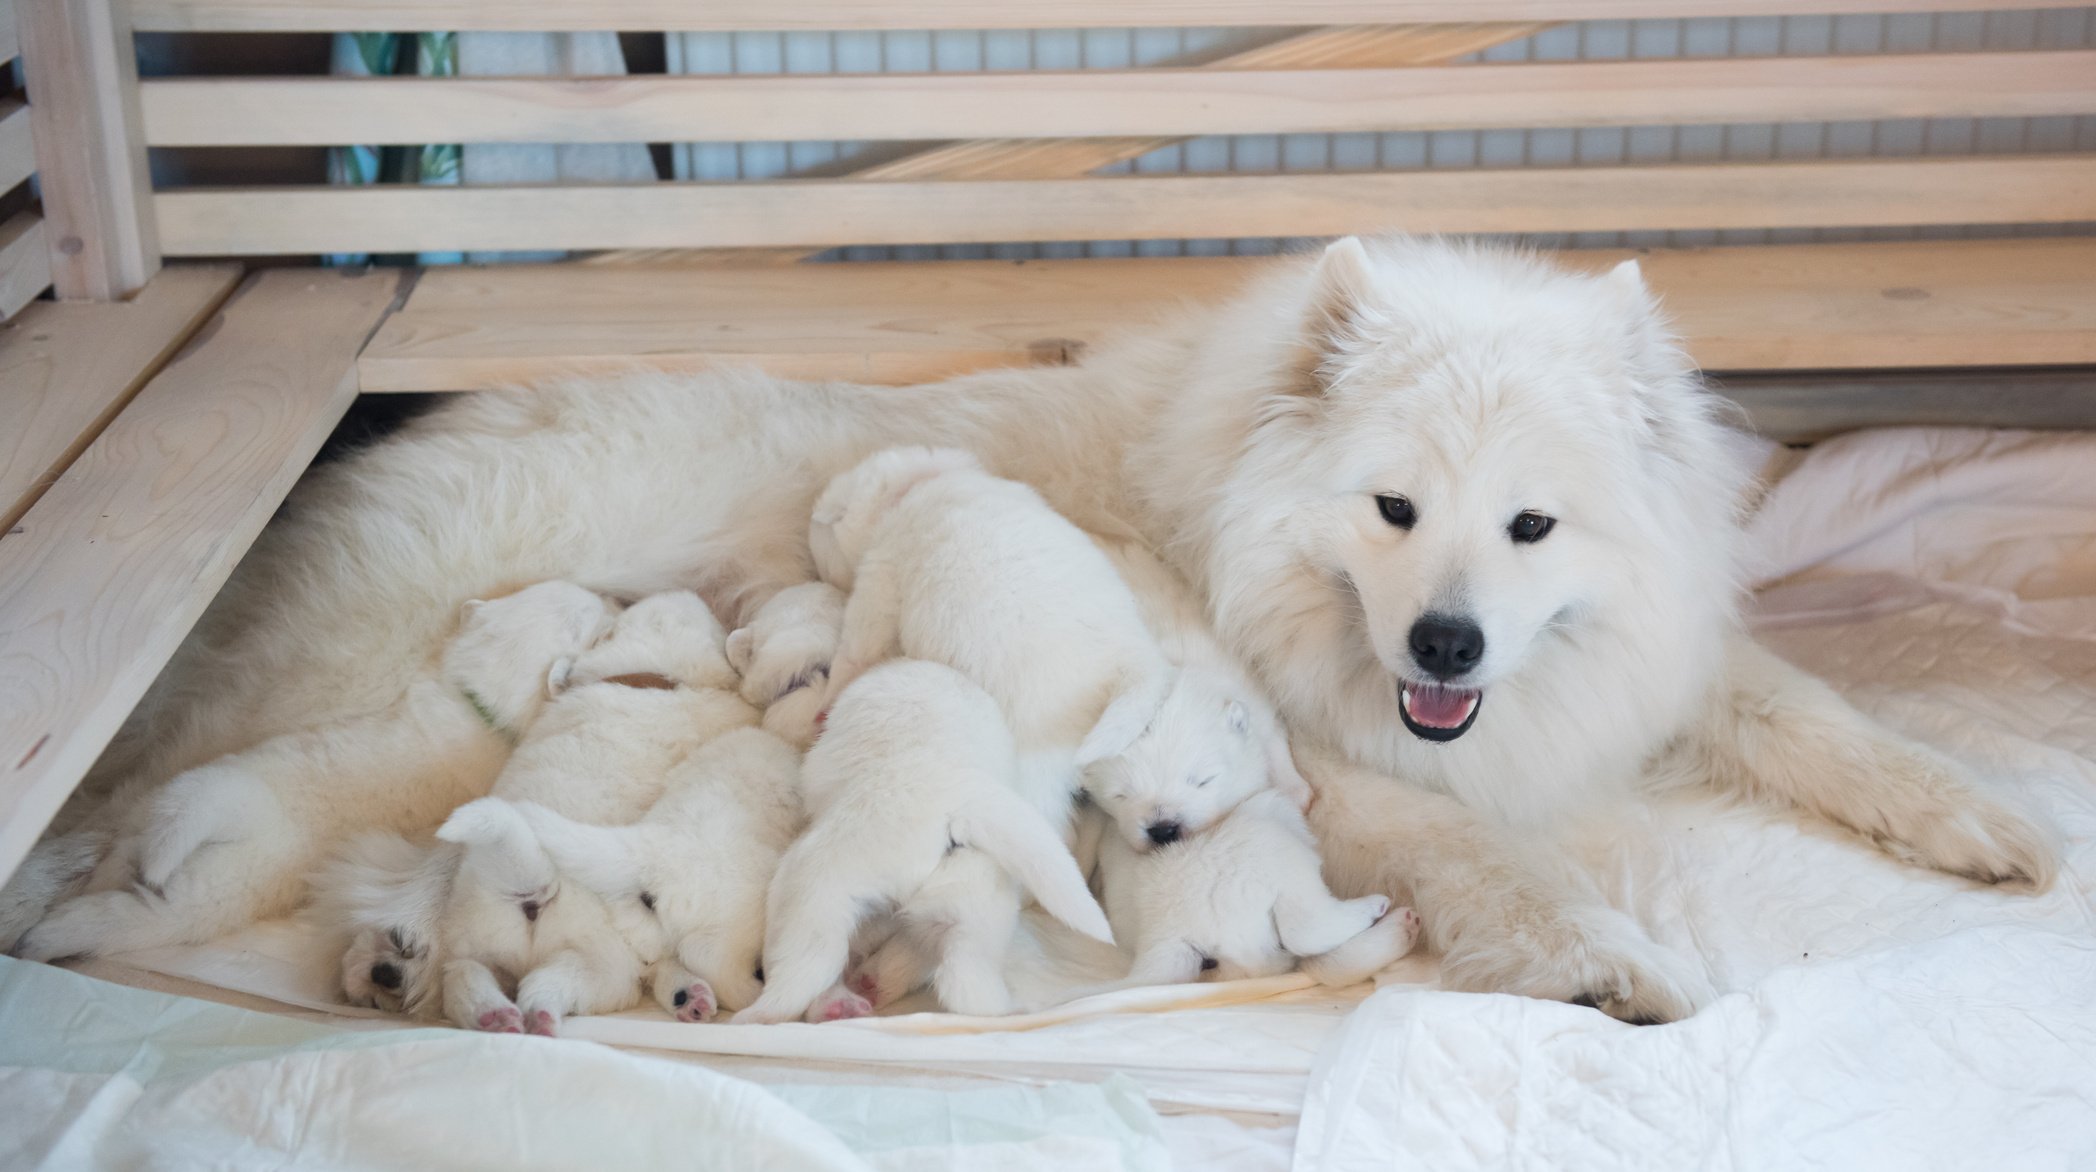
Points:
605	859
205	805
1002	825
500	844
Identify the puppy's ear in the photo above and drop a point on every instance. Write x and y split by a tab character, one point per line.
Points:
470	608
1334	309
1125	719
740	643
1281	772
1235	715
559	675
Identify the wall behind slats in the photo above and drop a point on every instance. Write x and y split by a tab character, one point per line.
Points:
2070	28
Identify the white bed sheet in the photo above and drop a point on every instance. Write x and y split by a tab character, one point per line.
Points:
1879	1015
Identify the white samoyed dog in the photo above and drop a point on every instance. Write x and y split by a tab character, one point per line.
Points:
700	863
784	656
1469	518
235	840
912	794
626	711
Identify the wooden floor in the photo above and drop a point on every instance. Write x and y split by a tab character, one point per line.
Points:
1784	308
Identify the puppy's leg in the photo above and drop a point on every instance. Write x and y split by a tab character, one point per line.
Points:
728	961
1165	962
894	970
1780	735
573	982
1310	920
474	1000
1386	942
980	907
1500	927
838	1003
869	634
812	909
683	994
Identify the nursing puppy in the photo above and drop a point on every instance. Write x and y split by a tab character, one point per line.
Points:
911	792
699	864
236	840
628	710
784	656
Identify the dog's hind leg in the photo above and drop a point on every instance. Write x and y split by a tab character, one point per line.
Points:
979	907
1313	921
1778	734
1386	941
571	983
57	869
474	1000
681	993
813	907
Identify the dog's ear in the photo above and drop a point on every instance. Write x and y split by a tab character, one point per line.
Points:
740	643
470	608
1125	719
559	675
1333	311
1235	715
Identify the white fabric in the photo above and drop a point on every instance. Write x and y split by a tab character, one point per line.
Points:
1879	1015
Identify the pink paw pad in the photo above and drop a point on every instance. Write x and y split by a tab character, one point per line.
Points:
695	1002
842	1008
506	1020
864	985
541	1023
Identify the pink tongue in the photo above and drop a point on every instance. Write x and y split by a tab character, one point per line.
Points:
1439	707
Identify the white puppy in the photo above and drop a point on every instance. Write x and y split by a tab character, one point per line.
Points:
911	791
699	863
236	840
1244	899
630	708
784	656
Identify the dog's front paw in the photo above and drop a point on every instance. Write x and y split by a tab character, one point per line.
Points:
1936	818
1587	955
506	1019
694	1002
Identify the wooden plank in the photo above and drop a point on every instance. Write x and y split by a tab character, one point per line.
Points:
91	159
118	559
66	369
242	111
1808	408
10	36
1981	190
1790	307
769	15
25	265
17	148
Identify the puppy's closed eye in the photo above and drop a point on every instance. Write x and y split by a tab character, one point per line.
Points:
1204	782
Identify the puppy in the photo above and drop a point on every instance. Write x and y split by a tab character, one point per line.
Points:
699	864
628	710
949	564
235	840
784	656
911	792
1244	899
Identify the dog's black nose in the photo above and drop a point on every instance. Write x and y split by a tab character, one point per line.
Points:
385	975
1445	646
1163	832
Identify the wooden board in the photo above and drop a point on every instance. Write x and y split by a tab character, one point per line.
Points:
1793	307
66	369
82	72
17	148
243	111
10	37
1804	409
118	559
1984	190
765	15
25	269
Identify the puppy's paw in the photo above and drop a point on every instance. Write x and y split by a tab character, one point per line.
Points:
506	1019
541	1023
1408	926
694	1002
839	1005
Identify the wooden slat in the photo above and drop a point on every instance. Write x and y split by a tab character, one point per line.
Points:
119	558
25	267
763	15
17	148
66	369
1166	102
1791	307
2028	189
91	159
1808	408
10	36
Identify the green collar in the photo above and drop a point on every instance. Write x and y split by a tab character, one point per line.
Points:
485	711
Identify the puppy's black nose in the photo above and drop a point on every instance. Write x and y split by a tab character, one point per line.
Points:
385	975
531	909
1163	832
1445	646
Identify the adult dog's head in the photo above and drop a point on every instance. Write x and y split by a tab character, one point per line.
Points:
1475	514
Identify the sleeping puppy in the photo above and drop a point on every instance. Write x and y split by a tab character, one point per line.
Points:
911	791
948	564
699	864
784	656
236	840
628	710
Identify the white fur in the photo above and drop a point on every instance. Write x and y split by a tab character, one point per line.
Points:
784	656
1241	444
236	840
913	800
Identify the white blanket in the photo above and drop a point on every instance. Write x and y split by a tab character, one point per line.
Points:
1878	1015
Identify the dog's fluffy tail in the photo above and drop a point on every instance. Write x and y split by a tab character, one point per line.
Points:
201	806
386	883
1002	825
500	844
605	859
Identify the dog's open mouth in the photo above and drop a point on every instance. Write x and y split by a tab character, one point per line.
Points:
1437	712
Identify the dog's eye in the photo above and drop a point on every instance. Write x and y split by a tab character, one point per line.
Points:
1202	783
1530	527
1397	510
647	900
